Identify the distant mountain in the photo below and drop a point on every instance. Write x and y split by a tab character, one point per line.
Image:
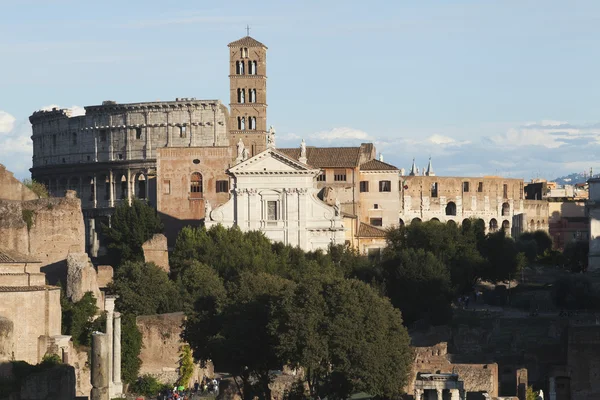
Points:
572	179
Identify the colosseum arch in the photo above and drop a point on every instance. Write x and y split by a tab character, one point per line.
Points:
451	208
451	223
505	209
506	226
400	222
435	219
493	225
416	220
140	186
122	188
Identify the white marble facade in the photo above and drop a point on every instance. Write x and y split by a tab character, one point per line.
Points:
277	195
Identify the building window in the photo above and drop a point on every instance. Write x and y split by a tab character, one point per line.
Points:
244	52
138	133
434	189
480	187
252	67
222	186
466	187
241	123
239	67
339	175
166	186
505	209
272	210
376	206
74	137
374	254
252	95
241	96
376	221
505	190
451	208
252	123
385	186
182	131
103	135
120	156
196	185
364	186
321	177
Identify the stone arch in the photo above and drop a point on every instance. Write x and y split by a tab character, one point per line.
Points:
466	223
140	186
506	226
451	208
435	219
196	185
89	181
416	220
123	187
505	209
493	225
400	222
538	224
532	224
451	223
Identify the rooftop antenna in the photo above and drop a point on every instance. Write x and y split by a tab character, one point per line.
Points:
247	30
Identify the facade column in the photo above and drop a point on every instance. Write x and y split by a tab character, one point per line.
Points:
109	307
147	194
418	394
129	186
552	388
118	386
95	189
111	198
454	394
439	394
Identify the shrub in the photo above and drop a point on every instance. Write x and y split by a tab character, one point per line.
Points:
36	187
147	385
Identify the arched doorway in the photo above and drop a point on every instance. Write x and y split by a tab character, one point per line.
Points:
451	208
493	225
141	186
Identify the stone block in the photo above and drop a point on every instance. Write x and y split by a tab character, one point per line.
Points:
105	275
156	251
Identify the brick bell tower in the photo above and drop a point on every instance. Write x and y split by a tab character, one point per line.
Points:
248	94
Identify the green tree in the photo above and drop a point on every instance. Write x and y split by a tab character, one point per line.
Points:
78	318
144	289
131	225
346	337
203	286
235	337
36	187
576	255
503	259
419	285
131	339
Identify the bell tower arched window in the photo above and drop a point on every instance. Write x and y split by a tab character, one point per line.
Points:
196	185
239	67
252	67
241	123
252	121
241	96
252	95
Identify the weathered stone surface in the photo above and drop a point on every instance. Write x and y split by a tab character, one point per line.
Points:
99	366
82	278
82	372
6	339
56	383
105	275
156	250
161	338
12	188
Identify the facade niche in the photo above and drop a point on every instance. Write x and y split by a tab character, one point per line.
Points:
451	208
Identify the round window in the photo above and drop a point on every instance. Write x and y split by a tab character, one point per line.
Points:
196	161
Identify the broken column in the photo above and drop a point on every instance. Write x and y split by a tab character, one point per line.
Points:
99	367
109	307
117	384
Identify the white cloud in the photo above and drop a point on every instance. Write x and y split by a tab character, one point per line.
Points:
16	149
342	133
7	122
549	134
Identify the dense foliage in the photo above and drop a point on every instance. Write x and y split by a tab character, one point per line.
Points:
130	226
78	319
36	187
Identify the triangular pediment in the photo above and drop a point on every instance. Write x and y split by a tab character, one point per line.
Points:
271	161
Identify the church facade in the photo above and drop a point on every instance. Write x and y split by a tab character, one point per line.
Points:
277	195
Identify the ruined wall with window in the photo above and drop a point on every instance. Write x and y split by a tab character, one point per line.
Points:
188	179
493	199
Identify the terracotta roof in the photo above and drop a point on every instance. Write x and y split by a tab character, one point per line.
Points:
10	257
323	157
376	165
366	230
248	42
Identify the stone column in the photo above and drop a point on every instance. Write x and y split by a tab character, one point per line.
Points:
95	189
454	394
418	394
111	191
129	186
147	180
552	388
109	307
439	394
118	386
99	367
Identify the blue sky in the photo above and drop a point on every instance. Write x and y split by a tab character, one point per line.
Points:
483	87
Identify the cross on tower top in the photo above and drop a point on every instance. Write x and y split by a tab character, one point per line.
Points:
247	30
